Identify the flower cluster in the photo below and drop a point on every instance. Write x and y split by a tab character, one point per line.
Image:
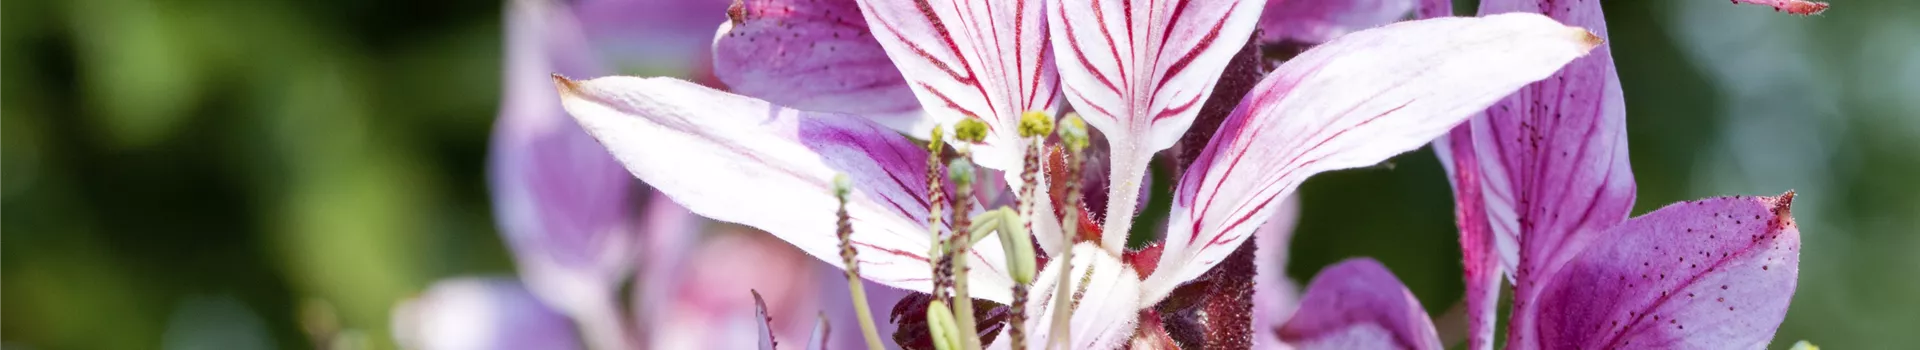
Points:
978	166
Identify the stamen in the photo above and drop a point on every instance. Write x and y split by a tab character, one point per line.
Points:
1073	135
1035	126
961	172
936	198
842	187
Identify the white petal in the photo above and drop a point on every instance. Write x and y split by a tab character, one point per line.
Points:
972	58
1103	317
1140	72
741	160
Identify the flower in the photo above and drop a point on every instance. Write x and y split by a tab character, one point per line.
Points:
1351	102
1543	188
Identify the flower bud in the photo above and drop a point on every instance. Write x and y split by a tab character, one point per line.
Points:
1018	244
941	327
961	172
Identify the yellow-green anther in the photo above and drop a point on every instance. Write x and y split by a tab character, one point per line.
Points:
970	130
1804	345
1018	245
937	141
961	172
841	186
941	327
1073	132
1035	123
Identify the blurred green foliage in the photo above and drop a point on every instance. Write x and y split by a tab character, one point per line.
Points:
223	174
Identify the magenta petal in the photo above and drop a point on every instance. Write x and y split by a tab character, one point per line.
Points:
1553	163
1358	304
1479	255
1713	273
815	56
1434	8
669	36
1316	21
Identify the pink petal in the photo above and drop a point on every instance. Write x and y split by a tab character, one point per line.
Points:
1714	273
1553	164
1352	102
1316	21
664	37
1478	252
1798	7
479	314
1139	73
815	56
1275	295
1104	315
972	58
707	304
1434	8
667	36
1358	304
741	160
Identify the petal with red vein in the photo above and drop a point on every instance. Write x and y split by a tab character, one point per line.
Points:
972	58
741	160
814	55
1106	291
1352	102
1359	304
1714	273
1478	253
1139	72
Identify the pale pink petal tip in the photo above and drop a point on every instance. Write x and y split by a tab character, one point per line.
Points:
1797	7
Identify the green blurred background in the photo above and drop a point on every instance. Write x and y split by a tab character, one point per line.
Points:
228	174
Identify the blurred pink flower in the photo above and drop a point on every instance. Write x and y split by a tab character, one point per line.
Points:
580	227
481	314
